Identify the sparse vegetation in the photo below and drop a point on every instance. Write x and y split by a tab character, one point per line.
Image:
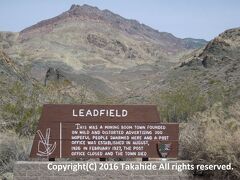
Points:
23	108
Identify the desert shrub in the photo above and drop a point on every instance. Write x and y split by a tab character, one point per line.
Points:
22	110
217	92
178	104
212	137
12	148
23	105
104	99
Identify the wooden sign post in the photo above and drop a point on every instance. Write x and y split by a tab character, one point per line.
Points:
102	131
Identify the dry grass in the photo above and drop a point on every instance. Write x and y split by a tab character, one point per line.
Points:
12	148
212	137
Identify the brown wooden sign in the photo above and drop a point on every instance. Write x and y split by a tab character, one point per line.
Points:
100	131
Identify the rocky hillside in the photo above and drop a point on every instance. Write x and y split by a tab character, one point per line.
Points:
220	51
218	64
8	68
194	43
96	48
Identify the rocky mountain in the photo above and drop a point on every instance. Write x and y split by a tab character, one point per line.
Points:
96	48
219	52
114	56
7	39
216	65
77	14
194	43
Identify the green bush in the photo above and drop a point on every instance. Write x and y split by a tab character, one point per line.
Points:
176	105
22	110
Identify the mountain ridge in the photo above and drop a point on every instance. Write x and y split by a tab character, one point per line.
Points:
97	48
130	26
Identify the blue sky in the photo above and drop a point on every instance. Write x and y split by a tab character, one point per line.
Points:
183	18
